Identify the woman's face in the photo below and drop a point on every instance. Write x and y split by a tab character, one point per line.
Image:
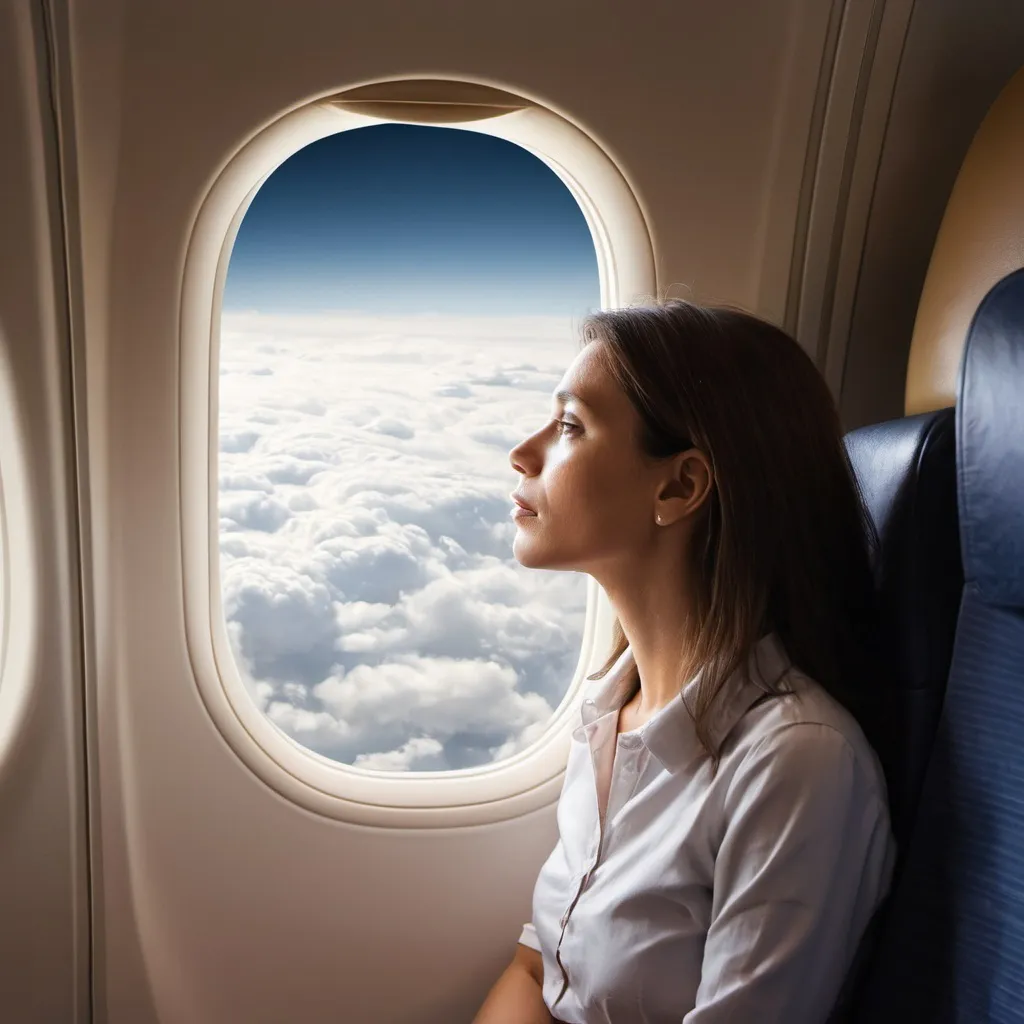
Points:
584	475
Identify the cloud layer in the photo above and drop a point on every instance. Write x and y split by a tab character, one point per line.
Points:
373	604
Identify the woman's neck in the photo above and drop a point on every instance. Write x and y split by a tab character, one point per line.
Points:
656	610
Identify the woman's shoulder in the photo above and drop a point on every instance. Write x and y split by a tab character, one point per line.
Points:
808	716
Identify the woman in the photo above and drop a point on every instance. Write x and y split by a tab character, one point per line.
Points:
724	835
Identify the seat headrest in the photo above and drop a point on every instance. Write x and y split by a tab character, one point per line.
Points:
990	446
906	470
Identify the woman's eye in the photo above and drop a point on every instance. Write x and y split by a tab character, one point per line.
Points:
567	427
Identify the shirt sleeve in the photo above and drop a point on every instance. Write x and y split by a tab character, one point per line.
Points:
529	937
804	862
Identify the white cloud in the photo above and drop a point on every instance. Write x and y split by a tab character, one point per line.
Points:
254	510
373	603
393	428
419	754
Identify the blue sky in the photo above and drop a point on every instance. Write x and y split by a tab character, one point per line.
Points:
403	219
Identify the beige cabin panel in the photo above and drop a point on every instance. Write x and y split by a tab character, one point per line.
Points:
981	240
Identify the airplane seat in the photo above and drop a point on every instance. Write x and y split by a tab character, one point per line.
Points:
906	470
947	947
951	948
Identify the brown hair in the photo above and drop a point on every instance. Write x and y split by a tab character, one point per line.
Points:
786	543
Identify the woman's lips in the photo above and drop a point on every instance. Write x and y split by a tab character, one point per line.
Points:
521	510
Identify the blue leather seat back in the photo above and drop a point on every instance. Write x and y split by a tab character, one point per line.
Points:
906	469
952	945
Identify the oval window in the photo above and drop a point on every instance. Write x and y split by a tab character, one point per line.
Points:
400	303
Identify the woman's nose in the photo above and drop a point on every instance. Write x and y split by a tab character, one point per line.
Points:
522	458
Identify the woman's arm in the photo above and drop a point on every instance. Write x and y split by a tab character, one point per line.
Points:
517	996
806	857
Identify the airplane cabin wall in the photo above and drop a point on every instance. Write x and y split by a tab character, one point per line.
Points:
957	57
44	898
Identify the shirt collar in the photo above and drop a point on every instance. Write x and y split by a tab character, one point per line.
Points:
669	734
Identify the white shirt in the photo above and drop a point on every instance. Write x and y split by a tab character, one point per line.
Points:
672	896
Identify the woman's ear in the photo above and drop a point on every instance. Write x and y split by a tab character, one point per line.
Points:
686	489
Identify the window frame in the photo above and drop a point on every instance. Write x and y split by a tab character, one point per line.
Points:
5	582
19	569
509	788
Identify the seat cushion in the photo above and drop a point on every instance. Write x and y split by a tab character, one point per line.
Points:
906	469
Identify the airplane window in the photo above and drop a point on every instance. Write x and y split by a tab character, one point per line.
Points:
400	303
3	583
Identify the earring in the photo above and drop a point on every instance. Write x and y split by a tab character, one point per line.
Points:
658	519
